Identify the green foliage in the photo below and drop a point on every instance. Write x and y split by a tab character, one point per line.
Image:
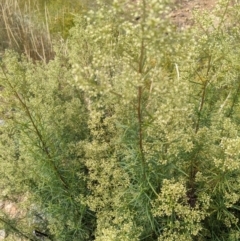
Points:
62	14
130	132
49	168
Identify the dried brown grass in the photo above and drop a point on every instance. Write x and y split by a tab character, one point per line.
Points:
23	31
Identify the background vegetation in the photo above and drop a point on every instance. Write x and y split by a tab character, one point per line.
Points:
116	125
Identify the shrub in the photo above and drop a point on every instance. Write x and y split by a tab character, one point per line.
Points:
132	130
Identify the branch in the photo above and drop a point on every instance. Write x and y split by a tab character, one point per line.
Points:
140	90
44	145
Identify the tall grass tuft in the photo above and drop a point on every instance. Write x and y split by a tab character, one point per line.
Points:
22	31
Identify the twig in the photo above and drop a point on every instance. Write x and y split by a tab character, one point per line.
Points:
44	146
177	70
140	90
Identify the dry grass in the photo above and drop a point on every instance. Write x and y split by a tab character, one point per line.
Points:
22	31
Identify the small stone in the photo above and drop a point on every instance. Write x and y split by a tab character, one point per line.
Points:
3	234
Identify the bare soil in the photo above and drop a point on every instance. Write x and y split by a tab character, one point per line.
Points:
182	15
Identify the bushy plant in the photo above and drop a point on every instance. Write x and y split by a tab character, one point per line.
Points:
131	132
43	156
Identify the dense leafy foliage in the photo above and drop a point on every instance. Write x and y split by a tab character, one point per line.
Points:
130	132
